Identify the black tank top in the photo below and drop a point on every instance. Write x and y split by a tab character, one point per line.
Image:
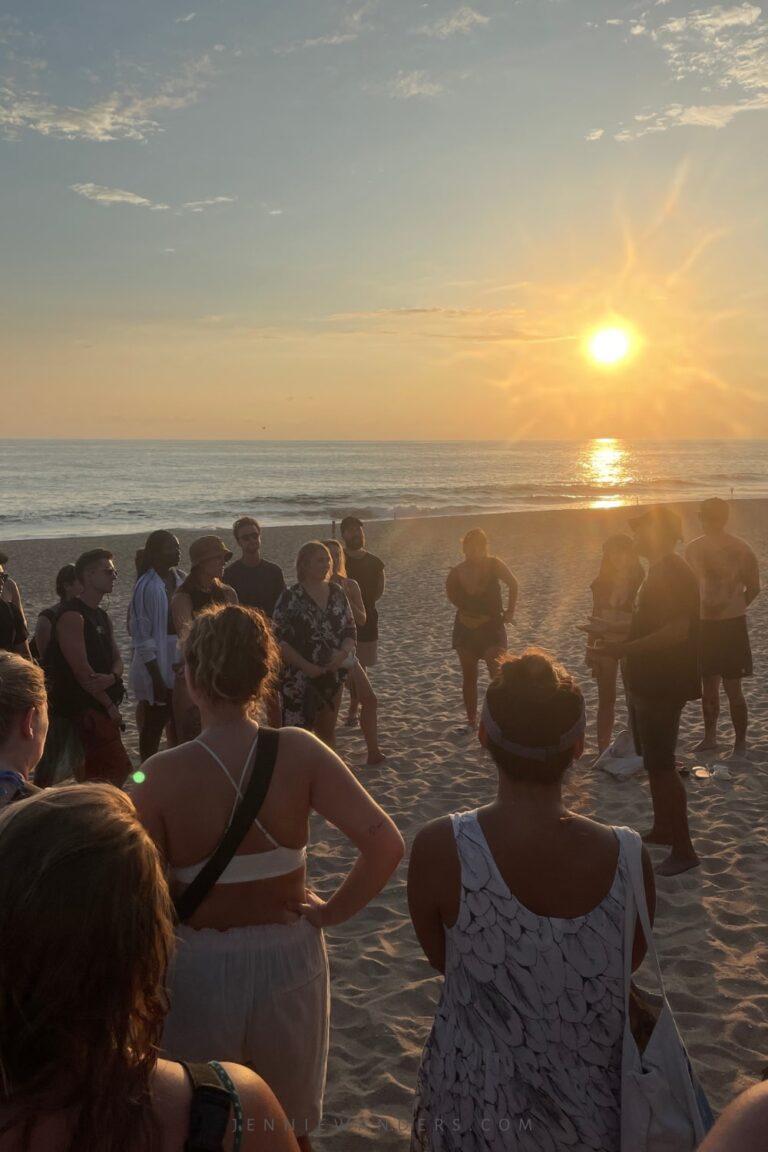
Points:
68	698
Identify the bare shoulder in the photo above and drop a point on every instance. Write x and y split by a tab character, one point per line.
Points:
301	751
743	1125
435	840
264	1123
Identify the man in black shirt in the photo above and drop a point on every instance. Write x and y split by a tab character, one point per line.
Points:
86	671
662	673
258	582
368	571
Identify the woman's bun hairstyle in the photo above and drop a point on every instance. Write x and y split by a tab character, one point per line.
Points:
534	701
231	653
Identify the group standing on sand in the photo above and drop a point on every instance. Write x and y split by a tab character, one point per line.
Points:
534	948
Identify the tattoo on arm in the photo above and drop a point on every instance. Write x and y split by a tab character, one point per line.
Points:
374	828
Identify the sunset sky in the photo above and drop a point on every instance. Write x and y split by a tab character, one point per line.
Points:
318	219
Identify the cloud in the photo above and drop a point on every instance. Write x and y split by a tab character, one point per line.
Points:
409	85
122	115
116	196
351	28
462	21
185	19
724	50
595	134
201	205
104	195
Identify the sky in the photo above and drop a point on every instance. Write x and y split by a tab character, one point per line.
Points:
382	219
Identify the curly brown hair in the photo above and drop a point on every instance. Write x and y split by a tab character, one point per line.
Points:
85	938
231	654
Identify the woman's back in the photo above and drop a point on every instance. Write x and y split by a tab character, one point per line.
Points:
187	801
532	1010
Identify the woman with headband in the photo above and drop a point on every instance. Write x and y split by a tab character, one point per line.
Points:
521	906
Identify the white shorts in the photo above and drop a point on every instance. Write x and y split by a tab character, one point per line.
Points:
257	996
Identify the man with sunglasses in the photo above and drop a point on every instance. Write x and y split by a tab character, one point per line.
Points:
258	582
86	670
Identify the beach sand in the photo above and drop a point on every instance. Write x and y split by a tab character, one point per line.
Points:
711	925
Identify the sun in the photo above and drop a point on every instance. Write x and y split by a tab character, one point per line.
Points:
610	345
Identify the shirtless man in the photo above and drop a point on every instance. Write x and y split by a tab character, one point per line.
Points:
729	580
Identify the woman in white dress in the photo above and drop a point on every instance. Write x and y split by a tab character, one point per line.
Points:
521	906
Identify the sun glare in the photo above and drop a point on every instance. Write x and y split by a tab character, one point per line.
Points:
610	345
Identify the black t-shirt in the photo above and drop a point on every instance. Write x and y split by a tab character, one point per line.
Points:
367	571
257	586
670	591
12	630
67	697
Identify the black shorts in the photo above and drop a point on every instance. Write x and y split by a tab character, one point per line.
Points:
655	726
725	649
478	641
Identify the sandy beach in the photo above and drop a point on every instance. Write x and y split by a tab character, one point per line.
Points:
712	924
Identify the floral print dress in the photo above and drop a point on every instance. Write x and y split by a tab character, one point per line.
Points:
315	633
525	1050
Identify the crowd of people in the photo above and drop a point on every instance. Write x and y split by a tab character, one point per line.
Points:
164	979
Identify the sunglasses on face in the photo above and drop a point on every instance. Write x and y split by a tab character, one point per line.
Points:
246	536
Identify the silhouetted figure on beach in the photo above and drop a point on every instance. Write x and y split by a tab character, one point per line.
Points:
663	673
86	668
613	598
729	580
479	632
153	637
369	573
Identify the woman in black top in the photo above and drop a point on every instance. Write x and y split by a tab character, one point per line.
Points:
67	586
479	632
202	587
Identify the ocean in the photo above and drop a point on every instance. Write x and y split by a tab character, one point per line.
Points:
90	488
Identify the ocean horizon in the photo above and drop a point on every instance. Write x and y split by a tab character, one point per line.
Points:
57	488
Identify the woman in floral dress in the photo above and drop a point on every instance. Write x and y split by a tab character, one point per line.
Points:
314	625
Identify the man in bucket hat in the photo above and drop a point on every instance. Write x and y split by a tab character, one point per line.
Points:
662	673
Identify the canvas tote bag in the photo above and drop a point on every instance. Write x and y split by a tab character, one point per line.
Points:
663	1107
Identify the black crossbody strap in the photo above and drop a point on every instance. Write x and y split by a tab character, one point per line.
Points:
247	811
209	1111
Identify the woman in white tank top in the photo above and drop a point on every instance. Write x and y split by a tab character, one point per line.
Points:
521	906
250	981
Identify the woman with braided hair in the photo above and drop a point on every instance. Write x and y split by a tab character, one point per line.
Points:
521	906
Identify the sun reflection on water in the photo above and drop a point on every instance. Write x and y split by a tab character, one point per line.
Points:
604	465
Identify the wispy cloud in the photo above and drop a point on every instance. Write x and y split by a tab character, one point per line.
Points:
595	134
110	196
122	115
104	195
726	50
201	205
410	85
350	29
185	19
461	21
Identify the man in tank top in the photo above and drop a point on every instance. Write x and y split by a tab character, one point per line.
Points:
86	671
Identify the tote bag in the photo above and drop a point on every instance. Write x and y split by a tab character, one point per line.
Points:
663	1107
